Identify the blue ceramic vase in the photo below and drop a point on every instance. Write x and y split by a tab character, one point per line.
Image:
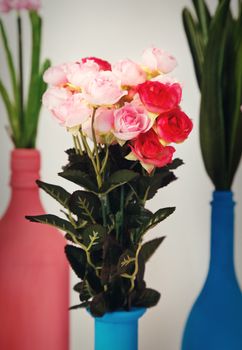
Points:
215	321
118	330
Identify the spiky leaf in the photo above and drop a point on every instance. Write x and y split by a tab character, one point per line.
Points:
85	205
148	248
56	192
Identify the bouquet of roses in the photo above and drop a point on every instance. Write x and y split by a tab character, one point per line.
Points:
123	118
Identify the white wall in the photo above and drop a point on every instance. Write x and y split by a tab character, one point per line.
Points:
117	29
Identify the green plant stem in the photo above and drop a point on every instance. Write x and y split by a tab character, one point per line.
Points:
121	210
79	145
75	143
21	83
136	269
95	142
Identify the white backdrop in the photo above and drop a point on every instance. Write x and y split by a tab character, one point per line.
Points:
113	30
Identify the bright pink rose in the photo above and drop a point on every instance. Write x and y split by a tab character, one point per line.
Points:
173	126
68	108
103	89
103	123
129	72
149	151
103	65
158	97
130	121
158	60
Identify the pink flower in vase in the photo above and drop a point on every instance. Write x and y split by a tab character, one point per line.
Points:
103	89
102	64
129	121
158	60
129	72
150	152
69	109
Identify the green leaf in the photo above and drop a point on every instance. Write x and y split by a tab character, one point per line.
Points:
77	259
85	305
56	192
85	205
148	298
212	128
203	16
117	179
126	262
194	40
55	221
84	291
148	248
33	100
80	178
157	217
93	236
10	62
235	115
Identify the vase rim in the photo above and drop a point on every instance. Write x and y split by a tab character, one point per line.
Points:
121	316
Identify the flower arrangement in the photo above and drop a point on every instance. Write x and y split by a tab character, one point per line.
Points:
215	42
123	118
23	114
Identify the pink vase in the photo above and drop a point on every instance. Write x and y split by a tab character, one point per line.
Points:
34	274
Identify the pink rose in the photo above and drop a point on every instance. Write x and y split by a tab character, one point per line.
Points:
150	152
55	75
103	124
129	72
173	126
130	121
158	97
103	89
103	65
79	74
69	109
158	60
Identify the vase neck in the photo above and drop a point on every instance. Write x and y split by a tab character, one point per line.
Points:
222	233
25	166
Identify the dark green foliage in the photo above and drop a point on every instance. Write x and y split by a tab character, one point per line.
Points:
106	224
56	192
148	248
216	46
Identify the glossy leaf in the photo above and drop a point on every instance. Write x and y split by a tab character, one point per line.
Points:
149	248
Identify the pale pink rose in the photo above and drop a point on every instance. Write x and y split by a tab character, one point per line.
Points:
103	123
129	72
79	74
130	121
158	60
166	79
55	75
103	89
69	109
7	5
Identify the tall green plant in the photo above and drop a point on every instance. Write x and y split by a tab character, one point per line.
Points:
23	113
216	46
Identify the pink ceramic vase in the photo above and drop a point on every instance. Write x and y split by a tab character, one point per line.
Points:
34	274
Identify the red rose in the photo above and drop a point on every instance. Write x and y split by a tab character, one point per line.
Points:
173	126
148	149
158	97
103	65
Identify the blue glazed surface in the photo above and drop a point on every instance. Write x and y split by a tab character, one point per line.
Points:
215	321
118	330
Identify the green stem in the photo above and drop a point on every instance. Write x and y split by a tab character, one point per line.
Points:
121	212
75	144
95	141
79	145
21	83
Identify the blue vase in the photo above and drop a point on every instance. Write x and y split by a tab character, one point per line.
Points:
118	330
215	322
